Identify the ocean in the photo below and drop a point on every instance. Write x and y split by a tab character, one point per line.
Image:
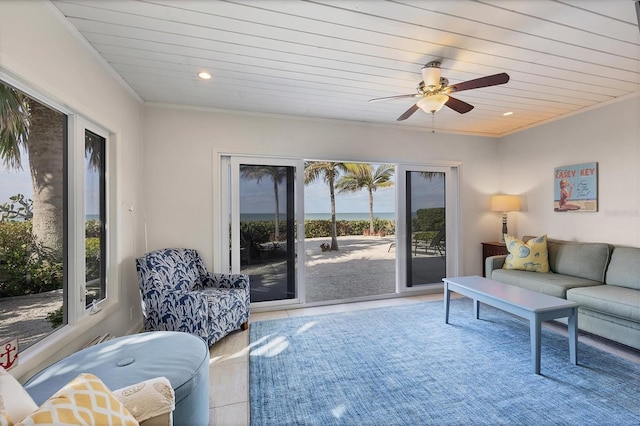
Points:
248	217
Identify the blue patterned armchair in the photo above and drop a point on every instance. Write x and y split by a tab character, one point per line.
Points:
179	294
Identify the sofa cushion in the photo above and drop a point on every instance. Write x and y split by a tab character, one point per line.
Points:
529	256
583	260
550	283
614	328
624	268
609	299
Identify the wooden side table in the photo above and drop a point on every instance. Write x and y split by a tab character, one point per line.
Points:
492	249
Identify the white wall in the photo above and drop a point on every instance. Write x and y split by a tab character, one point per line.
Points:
41	53
180	145
609	136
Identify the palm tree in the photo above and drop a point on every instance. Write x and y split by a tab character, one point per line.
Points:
431	175
362	175
277	175
14	125
328	171
38	130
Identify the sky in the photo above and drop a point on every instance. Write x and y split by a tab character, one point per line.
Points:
259	198
14	182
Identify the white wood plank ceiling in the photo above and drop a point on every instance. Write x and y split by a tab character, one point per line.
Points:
328	58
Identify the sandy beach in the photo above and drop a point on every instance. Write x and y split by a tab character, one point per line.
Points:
26	316
363	266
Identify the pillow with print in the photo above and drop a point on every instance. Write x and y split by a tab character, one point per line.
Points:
530	256
84	400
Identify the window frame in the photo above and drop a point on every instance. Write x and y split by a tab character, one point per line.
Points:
78	318
229	177
76	308
453	237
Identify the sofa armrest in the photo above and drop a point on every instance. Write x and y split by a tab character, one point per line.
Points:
151	402
217	280
493	262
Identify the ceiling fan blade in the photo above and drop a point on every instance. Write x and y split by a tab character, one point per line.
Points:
459	106
490	80
386	98
408	113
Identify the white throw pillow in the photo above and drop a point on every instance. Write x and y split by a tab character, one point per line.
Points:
17	402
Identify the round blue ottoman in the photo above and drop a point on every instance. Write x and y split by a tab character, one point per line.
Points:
180	357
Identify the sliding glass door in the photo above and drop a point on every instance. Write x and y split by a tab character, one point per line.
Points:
263	237
429	225
369	231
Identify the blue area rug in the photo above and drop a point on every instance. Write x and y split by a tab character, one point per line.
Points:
404	366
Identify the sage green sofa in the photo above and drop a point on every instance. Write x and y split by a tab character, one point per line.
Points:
604	279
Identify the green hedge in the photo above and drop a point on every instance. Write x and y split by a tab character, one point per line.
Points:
432	219
92	229
27	268
259	232
425	235
322	228
92	254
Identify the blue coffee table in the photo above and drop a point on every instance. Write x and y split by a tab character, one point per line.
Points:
534	306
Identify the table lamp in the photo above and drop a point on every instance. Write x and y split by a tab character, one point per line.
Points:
505	204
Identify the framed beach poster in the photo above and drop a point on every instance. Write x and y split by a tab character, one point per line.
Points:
576	188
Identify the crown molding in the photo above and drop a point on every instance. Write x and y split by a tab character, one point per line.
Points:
90	49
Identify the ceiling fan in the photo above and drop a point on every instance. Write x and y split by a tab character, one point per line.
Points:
434	90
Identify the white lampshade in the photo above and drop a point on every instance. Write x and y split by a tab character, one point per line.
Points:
432	103
431	75
505	203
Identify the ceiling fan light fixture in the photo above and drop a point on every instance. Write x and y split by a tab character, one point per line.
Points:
432	103
431	75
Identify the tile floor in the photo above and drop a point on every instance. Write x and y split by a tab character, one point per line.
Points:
229	363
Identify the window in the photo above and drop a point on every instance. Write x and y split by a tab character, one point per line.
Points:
95	217
44	176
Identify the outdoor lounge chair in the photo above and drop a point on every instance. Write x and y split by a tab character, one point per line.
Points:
179	294
434	246
437	244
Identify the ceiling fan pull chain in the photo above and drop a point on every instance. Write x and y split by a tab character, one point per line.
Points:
433	122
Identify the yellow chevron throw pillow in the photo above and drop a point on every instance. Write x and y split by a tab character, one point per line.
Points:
529	256
84	400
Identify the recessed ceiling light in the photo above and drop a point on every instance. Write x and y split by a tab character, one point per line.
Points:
204	75
508	113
